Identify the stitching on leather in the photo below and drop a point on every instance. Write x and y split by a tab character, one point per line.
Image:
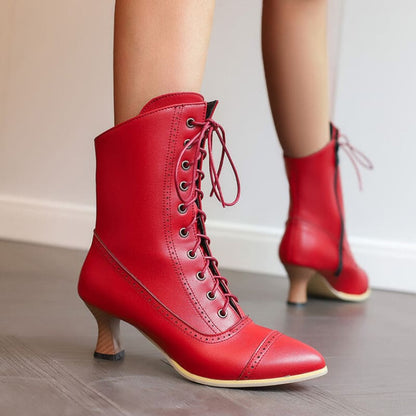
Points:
140	116
174	94
167	197
259	354
152	301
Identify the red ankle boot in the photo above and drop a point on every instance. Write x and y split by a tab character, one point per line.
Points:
150	263
314	248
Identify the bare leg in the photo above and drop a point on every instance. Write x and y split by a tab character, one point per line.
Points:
160	46
295	63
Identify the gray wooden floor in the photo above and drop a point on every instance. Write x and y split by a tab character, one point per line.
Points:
47	338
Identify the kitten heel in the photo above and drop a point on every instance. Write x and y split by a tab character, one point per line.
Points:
299	278
108	342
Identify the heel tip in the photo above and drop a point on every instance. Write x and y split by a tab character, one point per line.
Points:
109	357
297	304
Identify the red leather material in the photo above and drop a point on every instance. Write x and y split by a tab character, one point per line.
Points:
281	354
137	267
137	210
313	228
229	355
168	100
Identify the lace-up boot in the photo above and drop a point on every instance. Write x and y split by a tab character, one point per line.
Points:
150	263
314	248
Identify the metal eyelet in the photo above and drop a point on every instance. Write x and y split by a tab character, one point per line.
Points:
185	143
200	276
222	314
191	254
190	123
183	233
182	209
211	296
183	186
186	165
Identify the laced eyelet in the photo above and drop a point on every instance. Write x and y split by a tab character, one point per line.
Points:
185	143
190	123
183	233
222	314
211	296
200	276
183	186
186	165
182	209
191	254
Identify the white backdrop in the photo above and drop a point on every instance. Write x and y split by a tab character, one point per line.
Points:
56	96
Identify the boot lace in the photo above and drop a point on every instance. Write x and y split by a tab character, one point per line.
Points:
357	157
209	132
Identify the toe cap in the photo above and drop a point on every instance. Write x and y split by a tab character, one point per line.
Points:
281	356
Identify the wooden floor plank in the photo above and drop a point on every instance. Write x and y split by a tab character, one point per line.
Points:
19	362
47	337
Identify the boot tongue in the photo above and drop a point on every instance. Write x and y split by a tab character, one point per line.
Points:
211	106
169	100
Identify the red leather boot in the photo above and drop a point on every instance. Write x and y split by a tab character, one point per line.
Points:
150	263
314	248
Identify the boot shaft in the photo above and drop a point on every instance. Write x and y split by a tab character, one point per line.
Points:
315	229
315	187
141	166
136	198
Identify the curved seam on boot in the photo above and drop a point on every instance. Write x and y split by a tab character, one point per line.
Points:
259	354
173	94
165	312
140	116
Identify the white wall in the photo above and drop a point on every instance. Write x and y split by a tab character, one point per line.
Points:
56	95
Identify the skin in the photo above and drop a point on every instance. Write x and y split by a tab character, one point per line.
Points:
295	60
160	46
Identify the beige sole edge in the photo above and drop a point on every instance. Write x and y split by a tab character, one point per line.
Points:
237	383
246	383
318	286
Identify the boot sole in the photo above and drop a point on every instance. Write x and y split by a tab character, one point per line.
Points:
318	286
246	383
237	383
